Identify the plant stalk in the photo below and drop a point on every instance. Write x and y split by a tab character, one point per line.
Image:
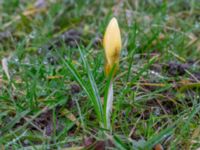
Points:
109	105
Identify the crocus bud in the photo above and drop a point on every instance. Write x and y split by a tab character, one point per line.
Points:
112	45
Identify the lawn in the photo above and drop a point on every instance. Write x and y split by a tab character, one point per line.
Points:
53	85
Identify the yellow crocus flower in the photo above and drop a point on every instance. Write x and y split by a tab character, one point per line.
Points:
112	45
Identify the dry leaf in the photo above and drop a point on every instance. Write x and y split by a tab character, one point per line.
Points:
70	116
158	147
54	77
74	148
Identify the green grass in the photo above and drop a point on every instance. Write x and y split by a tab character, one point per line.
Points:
54	97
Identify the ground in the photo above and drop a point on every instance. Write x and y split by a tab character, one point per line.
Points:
52	74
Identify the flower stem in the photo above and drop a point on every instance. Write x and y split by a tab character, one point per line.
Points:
109	104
